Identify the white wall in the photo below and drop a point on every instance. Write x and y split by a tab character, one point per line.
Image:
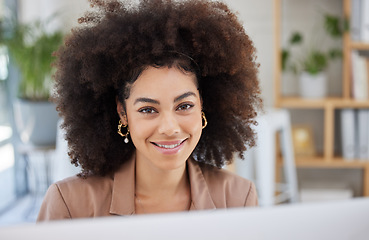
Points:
67	11
257	18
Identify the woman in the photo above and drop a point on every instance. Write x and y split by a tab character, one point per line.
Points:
180	81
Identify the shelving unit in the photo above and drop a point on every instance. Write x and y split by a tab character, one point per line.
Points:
328	105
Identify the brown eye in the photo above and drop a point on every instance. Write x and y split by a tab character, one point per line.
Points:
185	106
147	110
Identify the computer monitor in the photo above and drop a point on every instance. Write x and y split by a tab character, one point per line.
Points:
347	219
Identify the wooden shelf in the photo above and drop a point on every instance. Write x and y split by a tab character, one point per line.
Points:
330	163
360	45
350	103
330	102
321	162
297	102
327	105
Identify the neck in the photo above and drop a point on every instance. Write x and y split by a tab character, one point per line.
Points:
161	189
152	181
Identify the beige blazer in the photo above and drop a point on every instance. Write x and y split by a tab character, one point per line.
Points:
97	196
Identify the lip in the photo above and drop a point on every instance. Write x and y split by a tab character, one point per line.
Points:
160	146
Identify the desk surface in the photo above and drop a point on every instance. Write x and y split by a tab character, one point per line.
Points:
331	220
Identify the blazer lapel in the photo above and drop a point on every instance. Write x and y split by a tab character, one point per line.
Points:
201	198
123	202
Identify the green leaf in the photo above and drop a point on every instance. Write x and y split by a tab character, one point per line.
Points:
332	25
335	53
315	62
285	56
31	48
296	38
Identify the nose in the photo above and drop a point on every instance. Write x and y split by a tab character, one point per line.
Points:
168	124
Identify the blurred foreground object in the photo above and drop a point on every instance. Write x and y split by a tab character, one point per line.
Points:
344	220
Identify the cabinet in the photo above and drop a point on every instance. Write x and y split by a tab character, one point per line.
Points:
328	105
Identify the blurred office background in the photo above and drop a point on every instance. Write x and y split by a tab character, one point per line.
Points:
26	170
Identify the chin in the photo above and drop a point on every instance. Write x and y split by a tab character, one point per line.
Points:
171	163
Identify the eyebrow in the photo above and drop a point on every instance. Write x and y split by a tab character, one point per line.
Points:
187	94
146	100
150	100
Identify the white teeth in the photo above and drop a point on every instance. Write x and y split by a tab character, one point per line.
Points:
168	146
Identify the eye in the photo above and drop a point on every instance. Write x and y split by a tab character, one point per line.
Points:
147	110
185	106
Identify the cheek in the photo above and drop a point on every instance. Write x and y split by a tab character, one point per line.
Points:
140	130
193	125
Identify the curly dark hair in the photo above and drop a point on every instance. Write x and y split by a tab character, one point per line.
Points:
118	39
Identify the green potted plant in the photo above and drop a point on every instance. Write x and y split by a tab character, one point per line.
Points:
30	47
310	66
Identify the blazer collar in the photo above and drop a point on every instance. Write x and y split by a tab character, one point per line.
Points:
200	195
123	192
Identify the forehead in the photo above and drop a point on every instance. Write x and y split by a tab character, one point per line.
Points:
164	81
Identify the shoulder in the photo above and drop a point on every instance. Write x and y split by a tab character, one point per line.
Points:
88	185
75	197
85	190
236	190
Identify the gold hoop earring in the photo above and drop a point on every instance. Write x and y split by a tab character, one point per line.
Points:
120	125
205	122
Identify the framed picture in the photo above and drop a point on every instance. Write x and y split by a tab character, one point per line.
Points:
303	141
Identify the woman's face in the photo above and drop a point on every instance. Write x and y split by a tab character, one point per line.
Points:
164	117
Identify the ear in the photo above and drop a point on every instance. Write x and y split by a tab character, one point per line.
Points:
121	112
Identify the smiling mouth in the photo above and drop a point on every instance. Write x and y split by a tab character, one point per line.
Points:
171	146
